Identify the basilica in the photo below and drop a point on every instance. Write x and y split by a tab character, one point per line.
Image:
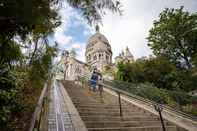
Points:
98	55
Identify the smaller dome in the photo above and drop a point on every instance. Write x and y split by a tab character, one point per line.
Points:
128	53
119	57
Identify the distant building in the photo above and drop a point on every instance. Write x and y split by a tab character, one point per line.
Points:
125	57
98	55
98	51
73	67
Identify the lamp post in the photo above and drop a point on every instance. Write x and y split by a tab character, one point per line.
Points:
159	109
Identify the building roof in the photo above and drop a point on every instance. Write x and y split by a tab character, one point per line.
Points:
97	37
98	42
128	53
78	61
119	56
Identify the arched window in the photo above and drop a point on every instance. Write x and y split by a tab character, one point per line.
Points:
99	56
107	57
95	57
89	57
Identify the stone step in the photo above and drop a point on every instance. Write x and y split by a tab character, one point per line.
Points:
103	124
111	110
103	106
118	118
89	108
106	108
112	113
144	128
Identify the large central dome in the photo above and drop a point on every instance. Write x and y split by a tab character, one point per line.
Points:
97	37
98	51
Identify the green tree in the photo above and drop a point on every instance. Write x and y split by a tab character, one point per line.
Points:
39	70
93	10
120	73
73	52
158	71
174	35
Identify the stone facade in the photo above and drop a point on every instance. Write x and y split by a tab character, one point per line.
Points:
73	67
125	57
98	51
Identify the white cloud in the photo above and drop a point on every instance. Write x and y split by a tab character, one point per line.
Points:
86	32
80	50
65	13
62	39
61	35
81	55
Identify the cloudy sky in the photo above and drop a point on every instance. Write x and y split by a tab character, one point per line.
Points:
130	29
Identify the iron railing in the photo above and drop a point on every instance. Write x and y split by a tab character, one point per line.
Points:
39	118
141	99
154	105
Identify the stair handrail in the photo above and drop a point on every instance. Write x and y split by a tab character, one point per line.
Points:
146	101
36	118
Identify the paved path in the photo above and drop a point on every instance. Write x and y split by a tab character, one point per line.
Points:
59	118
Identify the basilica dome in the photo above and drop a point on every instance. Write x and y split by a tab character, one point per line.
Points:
98	50
98	42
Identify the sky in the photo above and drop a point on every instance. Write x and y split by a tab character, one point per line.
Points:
131	29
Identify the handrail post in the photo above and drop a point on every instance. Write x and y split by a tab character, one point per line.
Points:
100	90
80	79
36	118
120	105
159	108
40	117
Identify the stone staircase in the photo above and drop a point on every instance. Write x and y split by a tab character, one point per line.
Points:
102	114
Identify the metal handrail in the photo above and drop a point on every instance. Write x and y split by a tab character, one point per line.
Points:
146	101
149	102
38	112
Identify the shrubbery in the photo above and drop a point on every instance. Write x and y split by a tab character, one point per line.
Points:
8	93
158	71
177	99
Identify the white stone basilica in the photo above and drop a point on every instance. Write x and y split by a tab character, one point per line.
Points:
98	55
98	51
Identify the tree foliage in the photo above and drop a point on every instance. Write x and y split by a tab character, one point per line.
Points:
158	71
174	35
157	79
93	10
8	92
176	99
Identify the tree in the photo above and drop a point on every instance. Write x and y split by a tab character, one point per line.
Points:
73	53
93	10
158	71
109	71
174	35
